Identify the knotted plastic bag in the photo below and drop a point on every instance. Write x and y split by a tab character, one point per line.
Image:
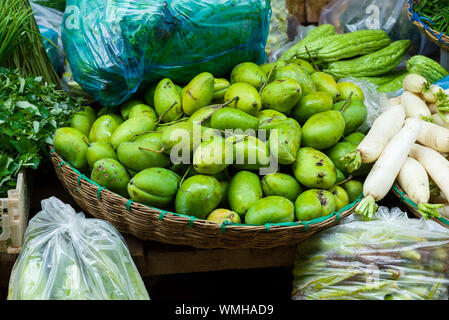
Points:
68	257
115	46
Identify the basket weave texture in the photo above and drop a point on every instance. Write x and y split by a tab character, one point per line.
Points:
148	223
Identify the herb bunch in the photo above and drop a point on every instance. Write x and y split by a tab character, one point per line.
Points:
436	11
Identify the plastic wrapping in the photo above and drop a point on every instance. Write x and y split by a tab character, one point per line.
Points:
66	256
278	36
115	46
391	16
391	257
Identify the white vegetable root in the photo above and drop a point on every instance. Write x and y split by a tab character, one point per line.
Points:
414	83
434	136
433	108
414	180
430	95
384	172
395	101
414	106
436	118
384	128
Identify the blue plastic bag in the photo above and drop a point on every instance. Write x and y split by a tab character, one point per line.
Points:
115	46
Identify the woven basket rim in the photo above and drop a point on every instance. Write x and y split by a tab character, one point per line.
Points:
402	195
164	214
439	38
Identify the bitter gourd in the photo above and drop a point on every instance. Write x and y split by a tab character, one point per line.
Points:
372	64
381	80
426	67
323	31
393	85
354	44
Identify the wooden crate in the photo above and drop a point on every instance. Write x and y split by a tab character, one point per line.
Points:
306	11
14	212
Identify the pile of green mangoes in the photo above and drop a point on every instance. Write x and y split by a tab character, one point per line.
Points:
310	122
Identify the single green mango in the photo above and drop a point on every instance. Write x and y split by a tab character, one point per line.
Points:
314	169
355	138
149	95
346	88
336	154
272	67
213	156
231	118
297	73
142	110
83	120
281	184
112	175
130	128
155	187
125	108
155	137
99	150
247	98
285	141
281	95
198	196
355	114
250	73
203	116
221	85
71	144
354	189
341	197
323	130
326	83
250	153
313	204
221	215
312	104
224	194
141	155
267	115
273	209
198	93
182	136
103	128
244	190
304	64
167	101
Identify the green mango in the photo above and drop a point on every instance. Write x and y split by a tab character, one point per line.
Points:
268	115
231	118
112	175
313	204
250	153
167	101
83	120
142	110
198	93
314	169
149	95
221	215
248	98
203	116
312	104
221	85
198	196
281	95
155	187
297	73
181	135
340	176
273	209
244	190
346	88
224	194
250	73
125	108
268	67
355	138
326	83
106	110
99	150
285	141
130	128
304	64
155	137
213	156
103	128
141	155
354	114
341	197
281	184
338	151
354	189
71	144
323	130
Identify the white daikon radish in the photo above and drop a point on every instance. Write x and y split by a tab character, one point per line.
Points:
430	95
384	128
436	118
414	106
415	83
435	164
414	180
384	172
395	101
433	108
434	136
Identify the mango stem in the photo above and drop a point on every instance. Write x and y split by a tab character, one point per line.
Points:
428	210
268	78
367	207
152	150
86	141
352	161
141	134
184	176
221	106
311	59
344	181
347	103
166	111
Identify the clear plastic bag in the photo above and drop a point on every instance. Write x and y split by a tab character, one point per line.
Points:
114	47
391	257
278	35
389	15
68	257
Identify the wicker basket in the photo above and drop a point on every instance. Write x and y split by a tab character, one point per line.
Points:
413	207
439	38
149	223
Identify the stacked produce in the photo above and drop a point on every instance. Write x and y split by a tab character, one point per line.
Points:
202	150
